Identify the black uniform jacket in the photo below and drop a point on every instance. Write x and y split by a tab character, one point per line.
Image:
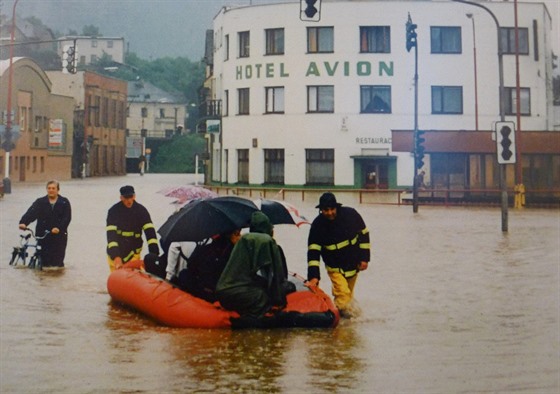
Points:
342	243
124	231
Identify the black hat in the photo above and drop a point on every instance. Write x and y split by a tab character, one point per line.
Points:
328	200
127	191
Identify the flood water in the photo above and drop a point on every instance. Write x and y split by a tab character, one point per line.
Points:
450	305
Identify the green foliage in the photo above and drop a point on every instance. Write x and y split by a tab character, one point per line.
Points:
91	31
178	154
174	75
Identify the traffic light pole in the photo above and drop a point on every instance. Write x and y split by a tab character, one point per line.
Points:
412	42
415	182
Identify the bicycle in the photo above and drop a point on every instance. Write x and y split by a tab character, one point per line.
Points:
20	253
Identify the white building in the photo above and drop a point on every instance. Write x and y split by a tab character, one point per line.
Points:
320	103
91	49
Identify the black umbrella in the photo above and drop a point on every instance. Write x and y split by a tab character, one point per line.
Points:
281	212
202	219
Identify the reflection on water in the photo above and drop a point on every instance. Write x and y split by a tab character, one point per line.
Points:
450	304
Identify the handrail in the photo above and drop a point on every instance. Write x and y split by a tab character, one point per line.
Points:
428	196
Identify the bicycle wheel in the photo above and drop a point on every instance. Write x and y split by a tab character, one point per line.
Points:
36	262
18	257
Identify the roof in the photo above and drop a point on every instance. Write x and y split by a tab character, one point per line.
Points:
145	92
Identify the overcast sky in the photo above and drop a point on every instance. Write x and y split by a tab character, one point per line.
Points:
157	28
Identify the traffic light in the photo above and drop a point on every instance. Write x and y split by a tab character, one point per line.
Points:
505	140
310	10
69	59
419	149
410	34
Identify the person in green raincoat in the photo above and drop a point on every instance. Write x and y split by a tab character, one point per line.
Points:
252	282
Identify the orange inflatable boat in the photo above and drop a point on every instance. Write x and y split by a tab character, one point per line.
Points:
170	306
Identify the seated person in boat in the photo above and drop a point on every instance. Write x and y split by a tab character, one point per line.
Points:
253	281
176	259
205	265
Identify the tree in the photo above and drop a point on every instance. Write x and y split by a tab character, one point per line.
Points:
178	155
91	31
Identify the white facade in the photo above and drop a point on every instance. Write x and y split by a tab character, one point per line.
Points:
294	126
91	49
159	113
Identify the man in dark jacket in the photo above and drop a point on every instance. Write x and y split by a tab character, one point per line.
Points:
252	281
125	222
340	236
52	213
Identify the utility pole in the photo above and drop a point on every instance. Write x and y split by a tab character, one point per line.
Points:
8	144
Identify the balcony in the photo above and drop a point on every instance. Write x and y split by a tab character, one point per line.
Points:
210	109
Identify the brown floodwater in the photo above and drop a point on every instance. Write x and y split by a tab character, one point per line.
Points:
450	305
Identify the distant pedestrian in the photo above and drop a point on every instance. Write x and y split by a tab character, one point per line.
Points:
126	220
52	213
141	164
340	236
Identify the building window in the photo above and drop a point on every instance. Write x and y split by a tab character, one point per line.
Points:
97	109
274	166
375	39
445	39
511	101
274	41
225	106
507	40
105	112
447	100
162	113
320	99
121	116
243	165
320	39
226	47
144	112
110	44
275	100
319	166
93	58
244	38
94	43
113	120
375	99
243	101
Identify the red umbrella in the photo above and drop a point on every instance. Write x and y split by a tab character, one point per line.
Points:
187	193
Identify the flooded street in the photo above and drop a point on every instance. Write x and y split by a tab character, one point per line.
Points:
450	305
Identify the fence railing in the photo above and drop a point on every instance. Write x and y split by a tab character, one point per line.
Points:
446	197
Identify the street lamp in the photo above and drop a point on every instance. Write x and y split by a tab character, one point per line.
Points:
471	17
502	108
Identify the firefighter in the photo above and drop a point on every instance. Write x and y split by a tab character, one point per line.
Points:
125	222
338	235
